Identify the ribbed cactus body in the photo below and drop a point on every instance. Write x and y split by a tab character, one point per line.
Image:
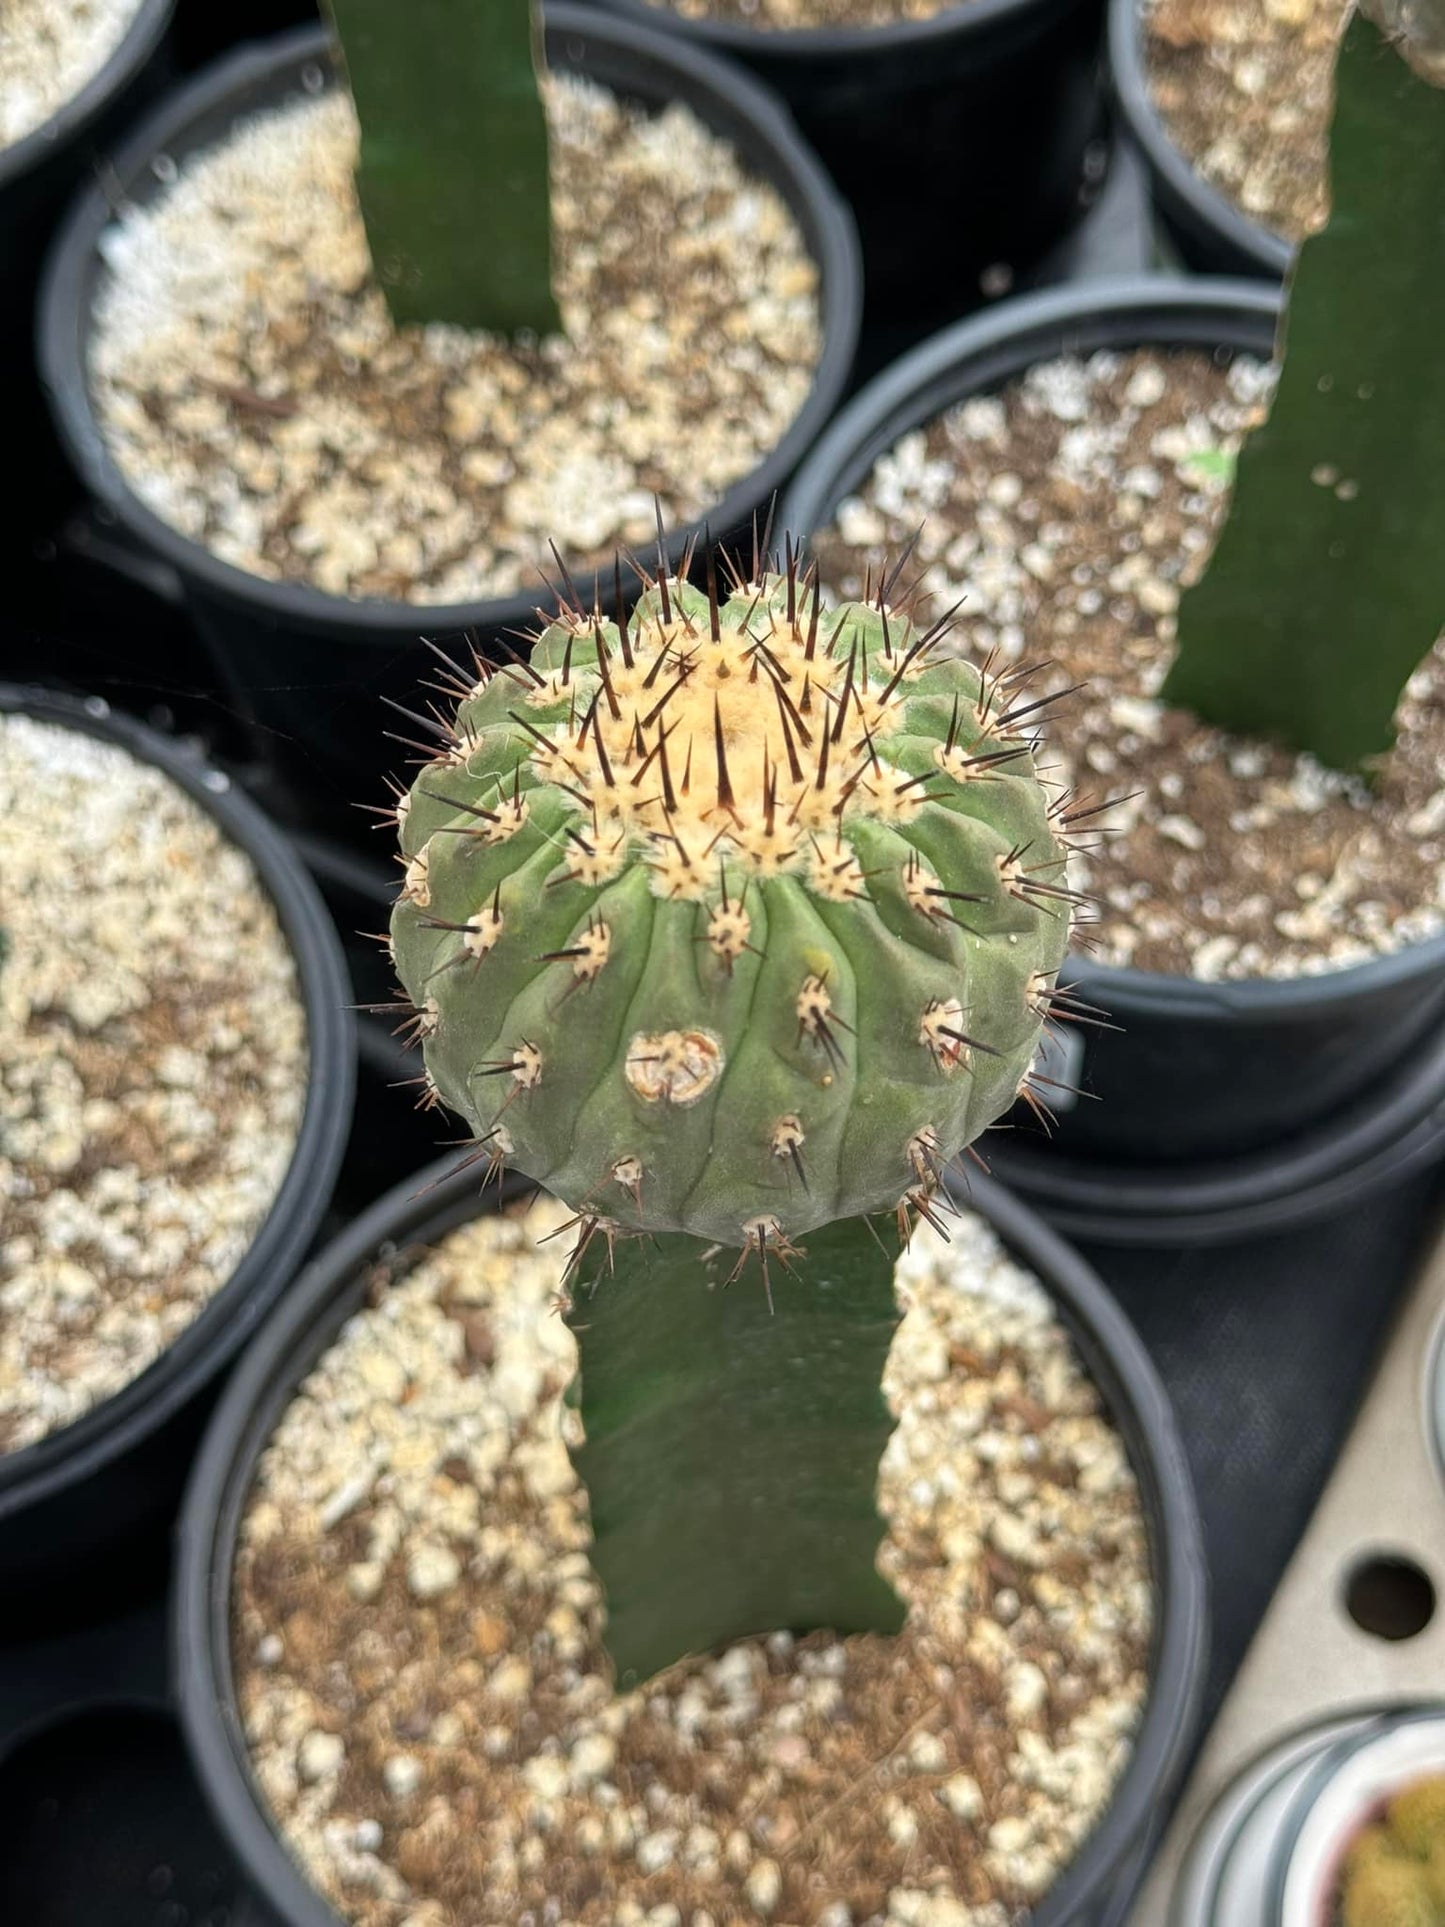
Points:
736	919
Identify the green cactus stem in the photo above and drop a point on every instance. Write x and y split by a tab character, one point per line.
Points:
1395	1871
728	920
1327	587
453	176
731	1456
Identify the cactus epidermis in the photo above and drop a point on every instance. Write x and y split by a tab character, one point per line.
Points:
736	915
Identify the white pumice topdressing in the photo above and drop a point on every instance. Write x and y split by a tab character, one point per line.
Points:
253	390
430	1713
50	50
153	1069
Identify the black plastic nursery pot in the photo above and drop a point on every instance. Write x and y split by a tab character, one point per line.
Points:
1207	229
434	1203
77	1508
1351	1162
1195	1071
307	668
38	176
206	28
960	142
39	172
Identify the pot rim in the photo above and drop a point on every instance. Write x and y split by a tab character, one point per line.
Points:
958	19
1335	1801
1379	1142
71	120
1183	185
64	315
1112	311
439	1198
120	1423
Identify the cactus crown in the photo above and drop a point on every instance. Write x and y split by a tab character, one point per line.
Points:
1395	1871
733	914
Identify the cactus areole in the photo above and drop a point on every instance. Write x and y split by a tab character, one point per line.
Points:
737	915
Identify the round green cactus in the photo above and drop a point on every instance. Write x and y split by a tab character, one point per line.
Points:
1395	1870
736	916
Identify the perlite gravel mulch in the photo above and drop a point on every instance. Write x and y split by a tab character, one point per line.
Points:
431	1714
153	1069
251	386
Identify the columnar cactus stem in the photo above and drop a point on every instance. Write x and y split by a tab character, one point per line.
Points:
732	1456
733	917
453	176
1328	584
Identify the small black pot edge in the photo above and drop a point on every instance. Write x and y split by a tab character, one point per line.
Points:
1209	231
38	175
55	146
976	122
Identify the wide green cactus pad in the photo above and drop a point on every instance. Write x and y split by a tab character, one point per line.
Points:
1327	587
737	917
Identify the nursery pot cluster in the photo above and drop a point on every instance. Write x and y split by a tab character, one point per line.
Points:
1223	1109
307	668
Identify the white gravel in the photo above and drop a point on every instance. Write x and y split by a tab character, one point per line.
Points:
447	1746
49	51
152	1069
252	388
